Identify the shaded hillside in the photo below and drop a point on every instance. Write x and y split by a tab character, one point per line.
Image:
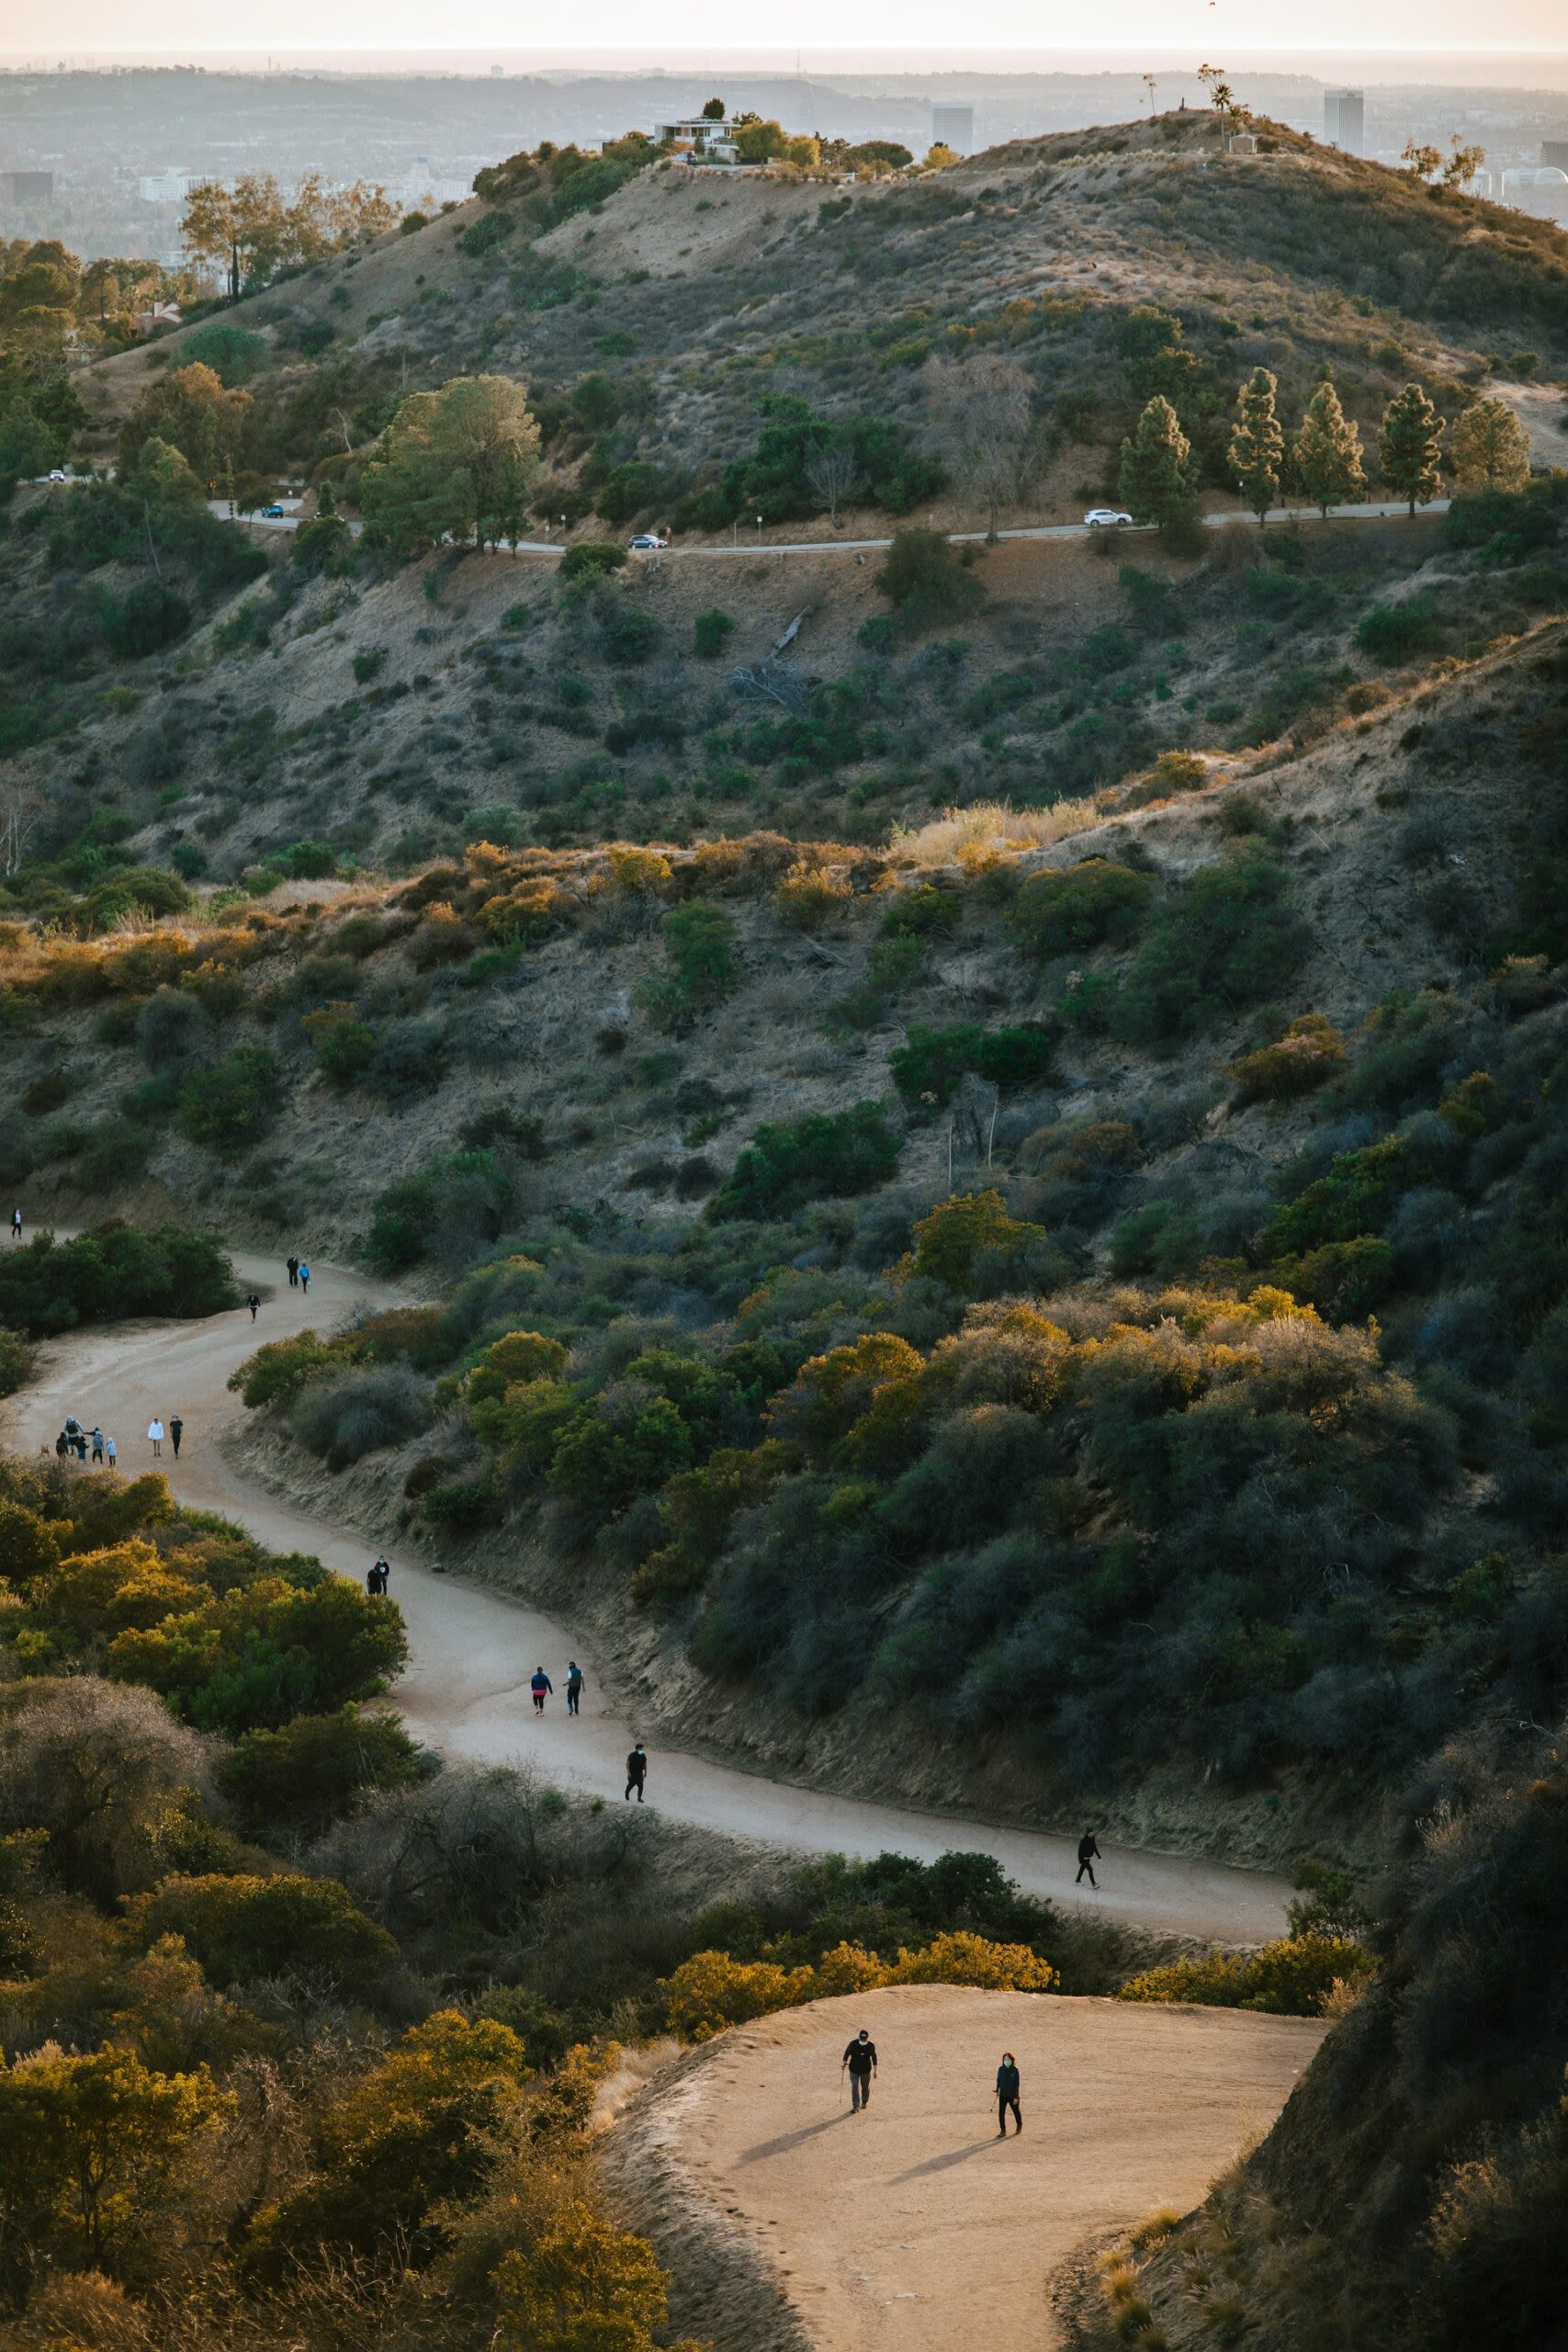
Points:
1412	2193
1285	1029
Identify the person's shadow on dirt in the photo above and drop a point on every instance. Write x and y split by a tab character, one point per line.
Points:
788	2140
944	2164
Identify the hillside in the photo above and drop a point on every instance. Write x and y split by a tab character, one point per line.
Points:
584	1086
482	696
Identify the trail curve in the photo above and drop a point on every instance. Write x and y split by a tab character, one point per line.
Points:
472	1648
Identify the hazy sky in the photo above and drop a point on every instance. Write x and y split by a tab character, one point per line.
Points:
1219	28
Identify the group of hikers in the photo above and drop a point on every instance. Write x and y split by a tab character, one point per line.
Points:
542	1688
74	1439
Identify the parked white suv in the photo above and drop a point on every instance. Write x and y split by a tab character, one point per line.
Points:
1099	518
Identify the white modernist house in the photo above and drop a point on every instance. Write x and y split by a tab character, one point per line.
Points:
699	140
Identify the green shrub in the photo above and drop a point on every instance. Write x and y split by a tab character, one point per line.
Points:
1227	939
711	632
591	560
700	965
150	615
295	1782
931	1064
234	354
110	1271
446	1212
342	1041
1358	1195
146	890
1391	633
928	911
16	1361
1345	1279
240	1929
483	235
1062	914
925	583
230	1106
826	1155
254	1657
368	664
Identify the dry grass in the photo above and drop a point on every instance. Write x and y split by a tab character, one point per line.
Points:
990	825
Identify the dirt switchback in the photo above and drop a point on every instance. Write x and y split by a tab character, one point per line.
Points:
913	2228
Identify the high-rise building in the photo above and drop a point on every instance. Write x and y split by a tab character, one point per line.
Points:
172	186
1555	151
24	187
954	126
1342	119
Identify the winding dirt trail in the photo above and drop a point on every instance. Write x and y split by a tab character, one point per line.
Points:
473	1649
788	2222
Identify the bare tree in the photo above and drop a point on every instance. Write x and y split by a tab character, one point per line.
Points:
833	472
983	410
21	805
1150	83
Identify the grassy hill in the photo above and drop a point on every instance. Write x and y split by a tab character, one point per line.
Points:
1128	261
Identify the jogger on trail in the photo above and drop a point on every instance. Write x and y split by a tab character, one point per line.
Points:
637	1771
155	1431
573	1687
541	1686
861	2060
176	1428
293	1266
1089	1854
1009	2081
253	1303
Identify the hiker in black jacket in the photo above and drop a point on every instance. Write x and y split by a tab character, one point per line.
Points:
1009	2081
861	2060
1089	1854
637	1771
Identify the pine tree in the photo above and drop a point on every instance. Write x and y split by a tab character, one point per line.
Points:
1154	482
1490	448
1327	458
1258	444
1407	446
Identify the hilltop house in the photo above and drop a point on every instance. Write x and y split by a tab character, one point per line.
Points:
697	139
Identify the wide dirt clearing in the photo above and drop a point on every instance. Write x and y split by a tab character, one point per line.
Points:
912	2228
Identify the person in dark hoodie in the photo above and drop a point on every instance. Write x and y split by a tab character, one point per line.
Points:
1089	1854
1009	2082
860	2060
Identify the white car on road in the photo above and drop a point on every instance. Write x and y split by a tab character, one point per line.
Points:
1102	518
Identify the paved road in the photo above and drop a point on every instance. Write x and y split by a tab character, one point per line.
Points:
473	1649
1372	510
